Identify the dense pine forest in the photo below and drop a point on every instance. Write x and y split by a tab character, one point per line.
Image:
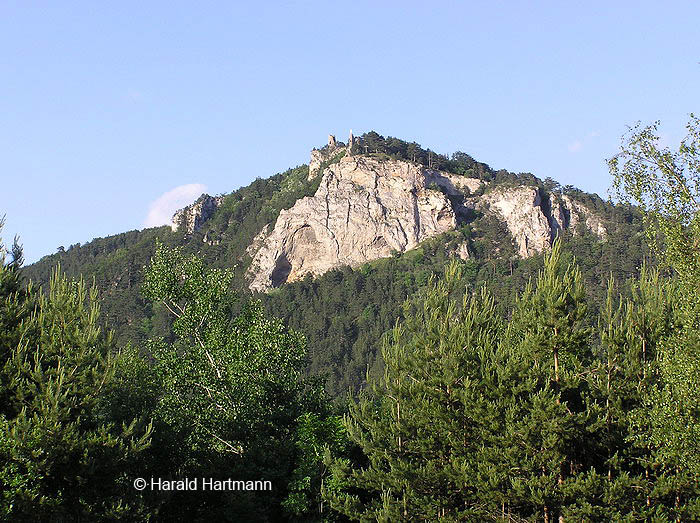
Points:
421	387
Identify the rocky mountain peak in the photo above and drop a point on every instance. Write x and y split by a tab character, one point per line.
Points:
365	208
191	218
369	206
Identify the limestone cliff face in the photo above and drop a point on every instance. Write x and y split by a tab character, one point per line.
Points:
453	184
580	213
534	220
328	153
367	208
521	209
364	209
191	218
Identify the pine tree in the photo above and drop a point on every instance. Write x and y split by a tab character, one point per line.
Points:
421	428
59	458
16	303
548	411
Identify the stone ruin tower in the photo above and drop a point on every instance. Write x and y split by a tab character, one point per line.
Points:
351	142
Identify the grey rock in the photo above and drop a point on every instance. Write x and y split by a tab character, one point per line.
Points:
533	224
521	210
364	209
191	218
367	208
319	156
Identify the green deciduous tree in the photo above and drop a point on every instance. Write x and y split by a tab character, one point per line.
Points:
666	185
231	388
316	436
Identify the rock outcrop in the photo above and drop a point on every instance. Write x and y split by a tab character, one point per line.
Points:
580	213
453	184
521	210
333	150
368	208
534	220
191	218
364	209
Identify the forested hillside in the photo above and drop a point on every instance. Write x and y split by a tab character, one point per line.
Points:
422	386
344	313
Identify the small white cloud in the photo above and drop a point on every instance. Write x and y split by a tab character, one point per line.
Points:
594	134
575	146
161	210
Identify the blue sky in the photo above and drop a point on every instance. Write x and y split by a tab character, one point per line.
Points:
111	113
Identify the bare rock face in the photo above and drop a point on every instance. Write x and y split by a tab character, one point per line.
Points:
533	222
462	251
364	209
367	208
580	213
319	156
191	218
560	215
258	241
521	210
453	184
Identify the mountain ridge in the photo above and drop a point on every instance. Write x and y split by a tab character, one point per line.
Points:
366	207
343	310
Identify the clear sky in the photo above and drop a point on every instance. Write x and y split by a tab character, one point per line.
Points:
111	113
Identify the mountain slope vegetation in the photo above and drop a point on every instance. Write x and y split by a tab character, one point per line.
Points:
344	313
472	382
